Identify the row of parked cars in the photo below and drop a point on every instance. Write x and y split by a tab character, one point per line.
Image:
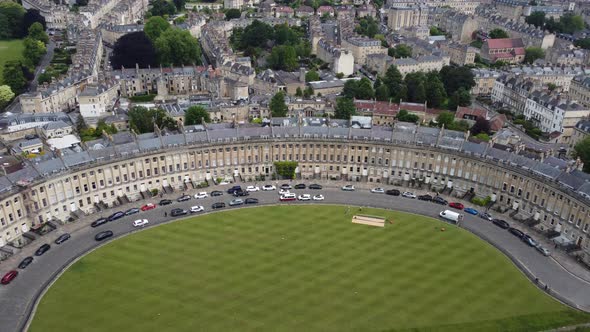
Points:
529	240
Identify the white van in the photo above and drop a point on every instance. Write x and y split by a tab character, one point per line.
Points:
451	216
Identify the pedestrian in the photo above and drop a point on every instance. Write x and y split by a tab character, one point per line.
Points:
536	280
545	287
165	214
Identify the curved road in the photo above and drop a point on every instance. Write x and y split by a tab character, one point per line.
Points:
17	298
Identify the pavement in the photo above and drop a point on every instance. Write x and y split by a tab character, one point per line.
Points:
17	300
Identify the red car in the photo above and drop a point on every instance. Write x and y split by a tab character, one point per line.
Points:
148	206
456	205
8	277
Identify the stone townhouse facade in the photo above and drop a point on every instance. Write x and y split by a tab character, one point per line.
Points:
361	47
484	81
580	89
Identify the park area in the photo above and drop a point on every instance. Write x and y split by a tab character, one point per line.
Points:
9	50
298	268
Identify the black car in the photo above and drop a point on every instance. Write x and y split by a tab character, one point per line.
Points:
516	232
116	215
42	249
251	201
62	238
239	193
183	198
165	202
216	193
285	186
218	205
393	192
440	200
427	198
25	262
103	235
300	186
178	212
501	223
234	189
315	186
99	222
131	211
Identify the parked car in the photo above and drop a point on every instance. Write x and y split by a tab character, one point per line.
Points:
284	191
501	223
99	222
393	192
234	188
543	250
529	240
471	211
304	197
148	206
131	211
165	202
203	194
268	187
140	222
216	193
183	198
315	186
427	198
318	197
300	186
240	193
286	186
486	216
116	215
25	262
178	212
8	277
456	205
439	200
348	187
408	194
378	191
288	197
516	232
252	188
236	201
42	249
197	208
103	235
218	205
62	238
251	200
224	182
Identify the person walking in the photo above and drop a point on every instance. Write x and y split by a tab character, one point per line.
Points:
165	214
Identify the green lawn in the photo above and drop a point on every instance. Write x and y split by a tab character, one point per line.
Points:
9	50
298	268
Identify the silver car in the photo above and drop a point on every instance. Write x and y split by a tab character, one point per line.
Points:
237	201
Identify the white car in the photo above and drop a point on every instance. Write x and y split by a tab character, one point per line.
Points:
348	187
378	190
268	187
202	194
304	197
318	197
223	183
140	222
284	191
544	250
408	194
197	208
252	188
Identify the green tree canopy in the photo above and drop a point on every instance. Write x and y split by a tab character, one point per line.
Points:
570	23
177	47
367	26
11	20
162	7
142	119
195	115
155	26
583	43
360	89
312	76
13	76
456	77
416	89
33	51
481	125
400	51
344	108
498	33
582	151
277	105
461	97
533	53
404	116
6	95
445	118
435	90
283	57
395	84
536	18
37	32
232	13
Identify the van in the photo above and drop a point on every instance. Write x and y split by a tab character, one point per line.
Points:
451	216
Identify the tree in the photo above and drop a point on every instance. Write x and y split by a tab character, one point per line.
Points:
350	88
365	89
445	118
134	48
583	43
179	4
162	7
461	97
483	136
435	90
498	33
536	18
195	115
533	53
286	169
394	82
254	35
481	125
582	151
33	51
435	31
142	120
344	108
368	26
232	13
177	47
277	105
308	92
283	57
154	27
6	95
11	20
404	116
382	93
415	85
312	76
551	86
14	76
81	124
456	77
32	16
570	23
400	51
37	32
298	92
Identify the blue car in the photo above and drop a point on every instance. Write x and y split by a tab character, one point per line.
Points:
471	211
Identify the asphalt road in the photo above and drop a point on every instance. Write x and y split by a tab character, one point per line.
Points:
16	299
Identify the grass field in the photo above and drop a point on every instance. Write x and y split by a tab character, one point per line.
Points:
9	50
298	268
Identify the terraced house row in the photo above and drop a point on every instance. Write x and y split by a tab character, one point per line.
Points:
125	167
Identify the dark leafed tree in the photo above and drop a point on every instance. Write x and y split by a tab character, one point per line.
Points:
133	48
32	16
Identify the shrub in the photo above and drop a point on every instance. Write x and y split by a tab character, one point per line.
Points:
143	98
481	201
